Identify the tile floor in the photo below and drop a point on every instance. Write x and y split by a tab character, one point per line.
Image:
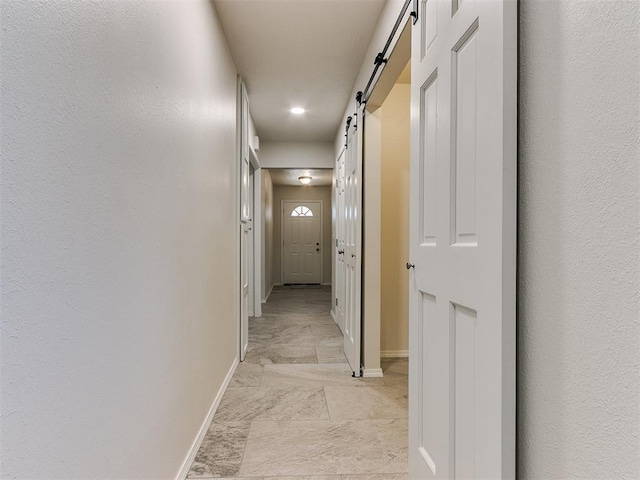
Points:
293	411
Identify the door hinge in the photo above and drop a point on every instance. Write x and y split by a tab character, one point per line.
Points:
336	301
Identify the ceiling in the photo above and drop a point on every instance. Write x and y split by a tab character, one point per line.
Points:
298	53
320	177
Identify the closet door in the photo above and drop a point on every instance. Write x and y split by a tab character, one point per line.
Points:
463	240
353	242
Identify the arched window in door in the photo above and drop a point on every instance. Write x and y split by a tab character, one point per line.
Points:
302	211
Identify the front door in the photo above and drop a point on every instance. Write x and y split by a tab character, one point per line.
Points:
463	240
302	242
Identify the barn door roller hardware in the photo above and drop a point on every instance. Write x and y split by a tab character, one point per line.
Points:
381	58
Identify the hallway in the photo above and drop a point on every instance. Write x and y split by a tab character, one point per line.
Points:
293	411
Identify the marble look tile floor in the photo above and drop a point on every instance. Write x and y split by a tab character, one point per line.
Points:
293	411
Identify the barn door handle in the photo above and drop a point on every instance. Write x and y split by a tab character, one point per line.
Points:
410	266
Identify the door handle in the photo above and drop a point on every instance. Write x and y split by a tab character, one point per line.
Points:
410	266
340	252
317	249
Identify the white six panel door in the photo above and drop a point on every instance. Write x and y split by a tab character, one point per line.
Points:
301	242
245	218
340	243
353	243
463	240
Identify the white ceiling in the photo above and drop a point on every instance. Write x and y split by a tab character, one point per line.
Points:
320	177
298	53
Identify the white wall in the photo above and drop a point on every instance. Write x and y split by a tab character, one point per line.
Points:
371	243
119	234
267	233
296	154
579	234
252	138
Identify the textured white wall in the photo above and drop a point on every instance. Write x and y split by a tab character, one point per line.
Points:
118	234
296	155
579	233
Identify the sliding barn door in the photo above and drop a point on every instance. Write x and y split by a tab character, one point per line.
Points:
340	242
463	240
245	219
353	242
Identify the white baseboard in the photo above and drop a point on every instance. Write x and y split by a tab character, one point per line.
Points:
372	372
333	315
191	455
266	298
394	354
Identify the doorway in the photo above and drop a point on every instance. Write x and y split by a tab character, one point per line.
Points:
302	242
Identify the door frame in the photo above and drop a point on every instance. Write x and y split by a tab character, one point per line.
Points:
370	219
335	245
282	202
243	170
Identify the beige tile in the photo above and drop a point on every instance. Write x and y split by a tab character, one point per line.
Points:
309	375
290	403
281	354
308	340
305	477
247	375
240	478
350	403
330	355
221	451
390	378
304	319
385	476
325	447
279	392
326	330
397	365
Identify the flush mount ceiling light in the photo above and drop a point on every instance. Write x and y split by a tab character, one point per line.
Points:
305	179
297	110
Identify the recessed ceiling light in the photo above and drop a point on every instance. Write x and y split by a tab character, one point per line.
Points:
305	180
297	110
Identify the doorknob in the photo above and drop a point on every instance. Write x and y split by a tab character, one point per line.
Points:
317	249
410	265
